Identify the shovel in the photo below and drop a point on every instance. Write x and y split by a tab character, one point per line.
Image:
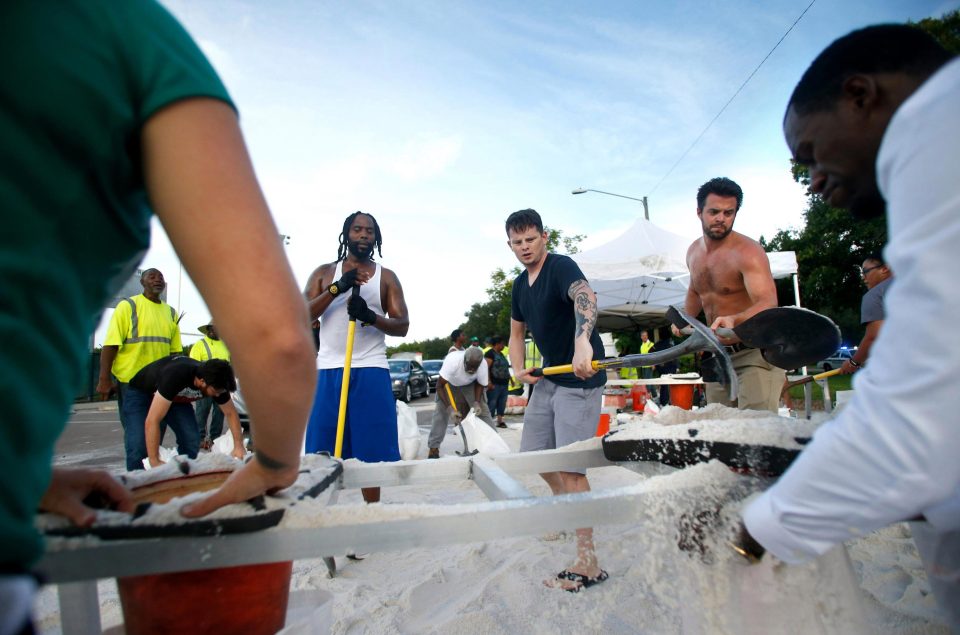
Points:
809	378
463	435
788	337
703	339
345	381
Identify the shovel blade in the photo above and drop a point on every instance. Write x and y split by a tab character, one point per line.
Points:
790	337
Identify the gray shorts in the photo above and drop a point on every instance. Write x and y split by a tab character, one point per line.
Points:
557	416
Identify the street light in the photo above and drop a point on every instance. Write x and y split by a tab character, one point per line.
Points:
646	211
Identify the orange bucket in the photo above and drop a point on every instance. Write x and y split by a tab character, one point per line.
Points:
681	396
603	426
249	599
638	394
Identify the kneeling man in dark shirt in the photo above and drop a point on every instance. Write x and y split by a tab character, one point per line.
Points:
164	390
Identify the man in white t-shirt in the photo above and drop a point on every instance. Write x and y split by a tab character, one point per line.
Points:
876	119
466	374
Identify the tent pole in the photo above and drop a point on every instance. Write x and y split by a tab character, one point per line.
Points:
796	288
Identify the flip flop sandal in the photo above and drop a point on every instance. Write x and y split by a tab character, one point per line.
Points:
584	581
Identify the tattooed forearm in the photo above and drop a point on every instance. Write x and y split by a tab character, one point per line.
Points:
584	308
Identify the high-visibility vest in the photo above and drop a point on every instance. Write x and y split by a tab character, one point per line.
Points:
531	355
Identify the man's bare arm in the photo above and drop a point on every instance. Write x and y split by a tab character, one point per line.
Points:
518	352
585	314
316	294
758	281
105	383
201	183
236	430
159	408
397	321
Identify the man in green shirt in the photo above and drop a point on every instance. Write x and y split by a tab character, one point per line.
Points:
104	106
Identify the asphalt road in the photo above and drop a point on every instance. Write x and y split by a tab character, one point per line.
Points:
93	436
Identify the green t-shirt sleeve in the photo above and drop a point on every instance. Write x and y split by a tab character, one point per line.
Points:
165	63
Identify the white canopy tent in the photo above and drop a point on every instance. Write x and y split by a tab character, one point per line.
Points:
642	272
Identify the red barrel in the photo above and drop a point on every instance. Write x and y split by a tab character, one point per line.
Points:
681	396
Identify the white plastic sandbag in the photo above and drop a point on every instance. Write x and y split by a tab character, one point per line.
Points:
223	444
481	437
166	455
408	433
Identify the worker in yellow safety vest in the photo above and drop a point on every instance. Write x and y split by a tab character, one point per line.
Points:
646	346
210	347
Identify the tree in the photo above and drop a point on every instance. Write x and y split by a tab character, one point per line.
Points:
831	244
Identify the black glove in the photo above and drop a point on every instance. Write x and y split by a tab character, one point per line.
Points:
346	282
357	309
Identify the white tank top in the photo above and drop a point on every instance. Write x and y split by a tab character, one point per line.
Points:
369	347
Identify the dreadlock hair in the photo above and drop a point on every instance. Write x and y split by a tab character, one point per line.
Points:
345	235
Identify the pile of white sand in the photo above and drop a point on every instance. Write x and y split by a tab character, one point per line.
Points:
496	586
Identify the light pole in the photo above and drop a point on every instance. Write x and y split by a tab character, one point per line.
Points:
646	211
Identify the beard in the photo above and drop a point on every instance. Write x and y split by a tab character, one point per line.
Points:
360	252
710	233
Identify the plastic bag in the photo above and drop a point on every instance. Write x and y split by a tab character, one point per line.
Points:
223	444
408	432
481	437
166	455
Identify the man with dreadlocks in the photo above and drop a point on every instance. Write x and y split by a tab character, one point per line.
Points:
370	429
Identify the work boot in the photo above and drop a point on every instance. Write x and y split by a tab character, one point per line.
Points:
501	424
434	453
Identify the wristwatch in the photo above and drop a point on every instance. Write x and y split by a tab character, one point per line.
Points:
333	289
854	363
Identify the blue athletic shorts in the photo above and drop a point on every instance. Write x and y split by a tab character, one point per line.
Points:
370	428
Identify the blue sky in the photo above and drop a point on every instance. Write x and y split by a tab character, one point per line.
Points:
441	118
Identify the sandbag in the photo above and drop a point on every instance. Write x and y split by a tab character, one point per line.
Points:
408	432
481	437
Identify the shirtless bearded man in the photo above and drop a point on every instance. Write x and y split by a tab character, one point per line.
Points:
730	281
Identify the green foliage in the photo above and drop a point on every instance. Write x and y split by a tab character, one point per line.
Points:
435	348
945	29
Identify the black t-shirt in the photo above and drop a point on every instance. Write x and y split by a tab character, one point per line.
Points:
547	310
173	377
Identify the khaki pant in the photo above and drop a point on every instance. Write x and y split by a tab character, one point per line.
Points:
760	383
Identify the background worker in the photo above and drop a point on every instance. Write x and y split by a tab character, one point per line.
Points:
142	329
499	371
877	276
163	391
551	297
646	372
209	347
149	129
467	375
370	427
730	281
458	340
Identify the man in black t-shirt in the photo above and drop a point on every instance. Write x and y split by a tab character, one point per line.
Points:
552	299
163	392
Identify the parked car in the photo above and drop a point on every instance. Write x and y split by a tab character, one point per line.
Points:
432	366
409	379
836	360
